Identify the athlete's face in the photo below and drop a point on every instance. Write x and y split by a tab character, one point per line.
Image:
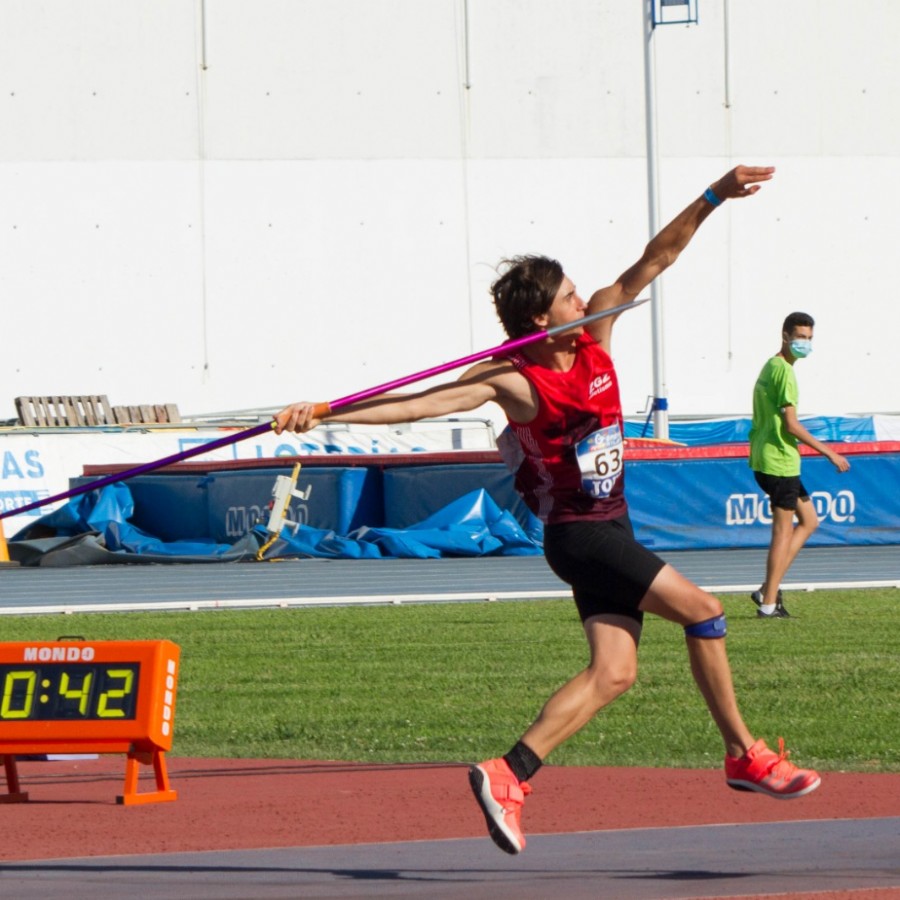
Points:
566	307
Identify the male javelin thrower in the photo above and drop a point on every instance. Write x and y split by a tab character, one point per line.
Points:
565	442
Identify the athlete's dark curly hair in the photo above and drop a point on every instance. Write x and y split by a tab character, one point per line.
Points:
524	290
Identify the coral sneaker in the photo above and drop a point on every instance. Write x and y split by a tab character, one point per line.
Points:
501	796
761	769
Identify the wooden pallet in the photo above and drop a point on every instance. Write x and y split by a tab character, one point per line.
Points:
61	411
146	415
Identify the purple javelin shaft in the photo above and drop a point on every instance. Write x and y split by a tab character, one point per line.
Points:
263	427
499	350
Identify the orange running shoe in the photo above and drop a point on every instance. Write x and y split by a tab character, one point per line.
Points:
501	796
761	769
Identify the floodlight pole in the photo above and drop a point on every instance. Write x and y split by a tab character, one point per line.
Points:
660	407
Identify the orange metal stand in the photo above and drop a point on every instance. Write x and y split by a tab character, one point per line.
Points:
133	762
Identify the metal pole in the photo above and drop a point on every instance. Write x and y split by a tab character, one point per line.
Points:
660	400
727	30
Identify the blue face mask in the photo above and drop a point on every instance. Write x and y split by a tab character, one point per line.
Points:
801	347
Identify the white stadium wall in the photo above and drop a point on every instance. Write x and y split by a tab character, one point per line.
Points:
232	205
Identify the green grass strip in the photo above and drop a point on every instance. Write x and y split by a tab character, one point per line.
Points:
460	682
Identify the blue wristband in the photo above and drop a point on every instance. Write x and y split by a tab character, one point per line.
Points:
710	196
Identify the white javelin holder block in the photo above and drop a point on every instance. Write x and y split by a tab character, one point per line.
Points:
282	493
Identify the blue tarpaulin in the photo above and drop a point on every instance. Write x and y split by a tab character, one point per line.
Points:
473	525
95	528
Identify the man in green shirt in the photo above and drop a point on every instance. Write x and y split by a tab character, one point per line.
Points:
775	460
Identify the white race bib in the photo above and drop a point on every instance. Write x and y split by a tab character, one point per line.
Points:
600	461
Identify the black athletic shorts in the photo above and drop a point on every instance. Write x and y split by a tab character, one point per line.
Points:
784	491
609	571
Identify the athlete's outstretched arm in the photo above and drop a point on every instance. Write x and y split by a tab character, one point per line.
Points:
665	247
475	387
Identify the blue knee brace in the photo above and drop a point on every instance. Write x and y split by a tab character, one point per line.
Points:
710	628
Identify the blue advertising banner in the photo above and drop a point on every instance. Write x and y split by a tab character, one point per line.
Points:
686	504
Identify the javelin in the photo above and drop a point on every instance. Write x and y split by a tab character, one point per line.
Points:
323	409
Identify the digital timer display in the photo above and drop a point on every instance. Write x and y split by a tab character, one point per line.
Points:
77	696
68	691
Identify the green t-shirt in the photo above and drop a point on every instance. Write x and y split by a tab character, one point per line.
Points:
772	450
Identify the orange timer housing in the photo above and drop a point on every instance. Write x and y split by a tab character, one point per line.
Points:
89	697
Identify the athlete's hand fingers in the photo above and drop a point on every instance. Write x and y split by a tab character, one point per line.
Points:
293	418
742	181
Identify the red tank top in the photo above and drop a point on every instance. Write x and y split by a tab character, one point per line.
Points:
568	461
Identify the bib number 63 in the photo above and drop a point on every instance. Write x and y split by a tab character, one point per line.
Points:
600	461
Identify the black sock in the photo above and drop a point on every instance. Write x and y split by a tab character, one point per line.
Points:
523	761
